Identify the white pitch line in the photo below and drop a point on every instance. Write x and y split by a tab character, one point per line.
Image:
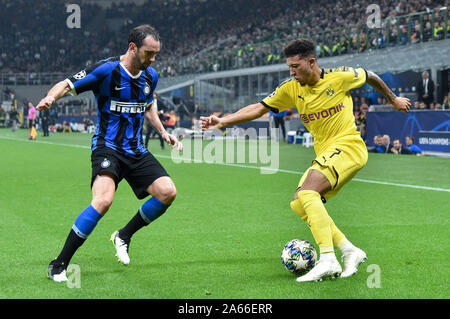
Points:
239	165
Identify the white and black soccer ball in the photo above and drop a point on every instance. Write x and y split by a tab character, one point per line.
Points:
299	256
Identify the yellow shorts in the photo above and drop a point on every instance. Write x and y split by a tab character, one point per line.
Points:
339	163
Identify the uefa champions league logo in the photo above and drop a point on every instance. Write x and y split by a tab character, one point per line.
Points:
80	75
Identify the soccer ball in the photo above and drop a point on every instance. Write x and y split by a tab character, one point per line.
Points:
299	256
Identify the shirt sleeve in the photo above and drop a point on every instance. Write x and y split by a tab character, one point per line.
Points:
88	79
353	78
416	149
153	83
280	99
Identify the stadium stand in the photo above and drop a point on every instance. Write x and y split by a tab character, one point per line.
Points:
195	38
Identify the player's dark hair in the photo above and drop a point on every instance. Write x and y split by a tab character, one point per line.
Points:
412	138
138	34
302	47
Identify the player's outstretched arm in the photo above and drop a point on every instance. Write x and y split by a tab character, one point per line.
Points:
56	92
246	114
399	103
153	119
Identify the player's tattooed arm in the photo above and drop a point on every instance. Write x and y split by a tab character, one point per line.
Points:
399	103
378	84
246	114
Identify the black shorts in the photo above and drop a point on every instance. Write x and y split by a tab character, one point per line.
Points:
140	172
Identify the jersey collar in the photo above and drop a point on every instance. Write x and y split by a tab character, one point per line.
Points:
128	72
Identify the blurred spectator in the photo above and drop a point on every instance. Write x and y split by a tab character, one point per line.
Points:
364	103
378	142
87	122
403	35
360	120
45	121
416	36
425	89
439	30
446	102
398	148
66	127
278	121
53	115
13	118
412	147
428	32
2	116
422	106
387	143
170	120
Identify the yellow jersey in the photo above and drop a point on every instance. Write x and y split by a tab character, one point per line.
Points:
325	108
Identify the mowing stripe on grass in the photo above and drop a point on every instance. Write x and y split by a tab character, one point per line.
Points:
240	165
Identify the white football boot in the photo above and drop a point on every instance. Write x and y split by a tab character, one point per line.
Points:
352	258
121	246
323	269
57	272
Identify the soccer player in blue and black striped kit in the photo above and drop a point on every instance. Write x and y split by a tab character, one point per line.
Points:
123	87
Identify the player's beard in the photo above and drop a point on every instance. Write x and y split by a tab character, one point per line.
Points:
139	64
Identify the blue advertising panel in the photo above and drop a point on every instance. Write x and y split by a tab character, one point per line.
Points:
398	125
434	141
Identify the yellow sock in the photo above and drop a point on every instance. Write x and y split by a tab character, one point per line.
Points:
318	219
297	207
337	235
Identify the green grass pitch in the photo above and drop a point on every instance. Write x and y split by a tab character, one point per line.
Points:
223	236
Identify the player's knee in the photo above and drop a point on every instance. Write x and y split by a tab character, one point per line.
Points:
305	197
167	194
102	204
295	197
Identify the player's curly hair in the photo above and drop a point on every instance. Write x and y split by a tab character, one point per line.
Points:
138	34
303	47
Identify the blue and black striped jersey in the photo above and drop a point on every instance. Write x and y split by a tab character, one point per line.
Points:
121	102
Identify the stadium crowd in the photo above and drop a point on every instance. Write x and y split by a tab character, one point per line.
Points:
203	36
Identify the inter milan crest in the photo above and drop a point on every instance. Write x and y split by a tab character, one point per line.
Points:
147	89
330	91
105	163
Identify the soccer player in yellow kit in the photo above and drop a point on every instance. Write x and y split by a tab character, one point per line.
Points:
325	105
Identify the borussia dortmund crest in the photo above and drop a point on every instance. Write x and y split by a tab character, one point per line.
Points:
330	91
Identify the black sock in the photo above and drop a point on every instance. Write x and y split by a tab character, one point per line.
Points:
136	223
73	242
